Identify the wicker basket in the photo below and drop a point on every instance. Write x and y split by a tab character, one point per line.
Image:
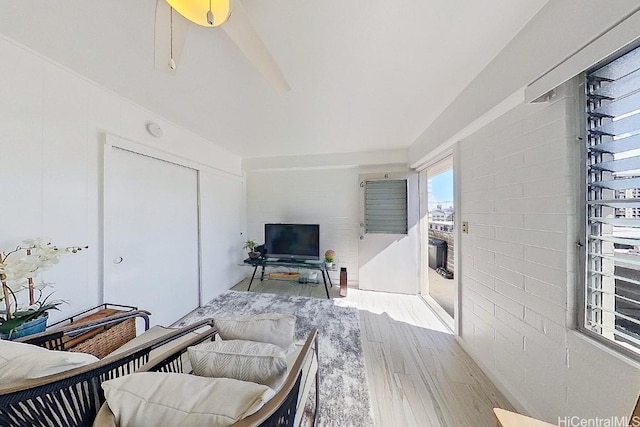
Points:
110	339
98	331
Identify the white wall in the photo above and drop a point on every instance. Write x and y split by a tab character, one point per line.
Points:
519	187
328	197
51	127
331	197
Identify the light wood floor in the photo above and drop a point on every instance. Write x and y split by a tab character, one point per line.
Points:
418	374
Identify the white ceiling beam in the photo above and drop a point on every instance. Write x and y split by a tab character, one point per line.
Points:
326	161
620	36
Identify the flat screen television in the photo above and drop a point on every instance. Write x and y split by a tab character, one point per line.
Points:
292	241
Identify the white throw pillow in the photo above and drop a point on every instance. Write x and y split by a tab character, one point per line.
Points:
256	362
166	399
20	361
274	328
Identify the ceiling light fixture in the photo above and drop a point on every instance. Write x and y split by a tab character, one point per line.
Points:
208	13
172	63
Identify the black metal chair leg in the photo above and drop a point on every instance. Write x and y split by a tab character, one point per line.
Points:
324	279
252	276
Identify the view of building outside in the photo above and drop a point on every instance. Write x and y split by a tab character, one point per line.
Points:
612	303
440	201
440	210
621	277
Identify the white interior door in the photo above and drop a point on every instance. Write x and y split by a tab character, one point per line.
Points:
389	262
151	235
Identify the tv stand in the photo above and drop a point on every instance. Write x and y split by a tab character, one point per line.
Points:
291	260
288	263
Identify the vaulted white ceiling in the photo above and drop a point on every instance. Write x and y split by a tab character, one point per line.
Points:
365	75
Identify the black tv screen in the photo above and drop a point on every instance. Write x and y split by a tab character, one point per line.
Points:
292	241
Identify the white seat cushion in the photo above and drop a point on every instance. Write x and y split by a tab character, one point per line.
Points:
150	335
274	328
20	361
257	362
167	399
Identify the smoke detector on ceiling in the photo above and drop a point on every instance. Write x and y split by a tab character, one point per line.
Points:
154	129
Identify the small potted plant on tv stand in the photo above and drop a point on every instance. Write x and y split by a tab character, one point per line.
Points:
329	256
251	245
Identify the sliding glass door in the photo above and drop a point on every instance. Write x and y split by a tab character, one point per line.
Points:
438	285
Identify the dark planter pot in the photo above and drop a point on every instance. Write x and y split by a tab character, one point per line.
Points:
28	328
254	255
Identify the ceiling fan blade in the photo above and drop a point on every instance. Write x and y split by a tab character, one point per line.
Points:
163	43
241	30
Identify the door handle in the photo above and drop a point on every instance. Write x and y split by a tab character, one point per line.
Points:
118	260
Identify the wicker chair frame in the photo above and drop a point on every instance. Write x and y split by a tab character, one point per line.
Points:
281	410
73	398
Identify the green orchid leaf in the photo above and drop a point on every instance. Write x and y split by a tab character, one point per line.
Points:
23	313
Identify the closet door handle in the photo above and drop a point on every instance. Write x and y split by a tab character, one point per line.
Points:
118	260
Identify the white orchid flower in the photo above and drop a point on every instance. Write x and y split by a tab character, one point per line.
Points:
26	262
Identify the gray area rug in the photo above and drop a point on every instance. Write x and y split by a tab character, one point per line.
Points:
344	395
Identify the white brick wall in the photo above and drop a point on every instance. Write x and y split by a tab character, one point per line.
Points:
519	189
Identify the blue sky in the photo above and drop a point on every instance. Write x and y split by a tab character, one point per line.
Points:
442	189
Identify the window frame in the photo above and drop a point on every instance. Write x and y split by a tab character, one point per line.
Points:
582	246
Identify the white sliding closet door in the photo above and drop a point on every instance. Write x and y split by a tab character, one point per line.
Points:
151	235
221	223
